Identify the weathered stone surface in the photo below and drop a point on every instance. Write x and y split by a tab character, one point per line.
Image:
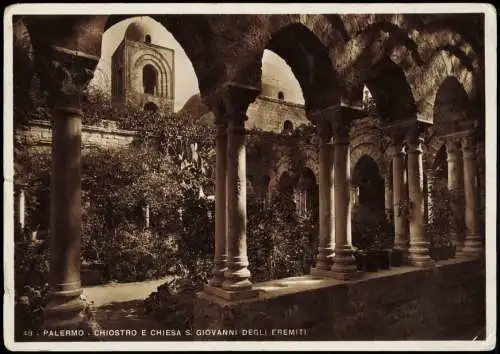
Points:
403	303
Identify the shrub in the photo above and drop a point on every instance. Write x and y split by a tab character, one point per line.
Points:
370	229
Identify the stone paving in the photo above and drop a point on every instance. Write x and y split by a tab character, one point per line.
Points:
118	309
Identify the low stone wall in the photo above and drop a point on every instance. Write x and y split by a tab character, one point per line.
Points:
106	135
445	302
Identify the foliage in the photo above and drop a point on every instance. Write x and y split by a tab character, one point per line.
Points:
31	268
370	229
443	224
280	242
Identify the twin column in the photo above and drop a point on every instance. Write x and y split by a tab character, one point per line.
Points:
335	254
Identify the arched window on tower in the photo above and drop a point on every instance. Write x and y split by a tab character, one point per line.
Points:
281	96
147	39
287	127
149	79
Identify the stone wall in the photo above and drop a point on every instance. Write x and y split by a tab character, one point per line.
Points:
106	135
445	302
270	114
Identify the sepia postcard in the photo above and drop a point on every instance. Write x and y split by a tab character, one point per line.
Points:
250	177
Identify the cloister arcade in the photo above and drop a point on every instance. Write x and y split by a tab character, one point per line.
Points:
425	72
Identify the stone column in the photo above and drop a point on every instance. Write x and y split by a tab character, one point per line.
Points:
237	275
388	201
146	216
455	187
220	207
65	306
326	199
21	209
473	245
399	194
65	74
428	196
419	246
231	279
344	264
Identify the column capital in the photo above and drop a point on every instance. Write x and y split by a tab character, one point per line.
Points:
414	141
396	149
230	102
469	143
452	144
65	75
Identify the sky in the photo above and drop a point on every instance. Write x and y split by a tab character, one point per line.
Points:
275	71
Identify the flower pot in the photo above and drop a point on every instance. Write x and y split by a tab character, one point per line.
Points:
446	252
370	261
396	257
384	259
435	253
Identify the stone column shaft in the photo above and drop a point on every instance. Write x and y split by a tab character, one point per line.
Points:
399	194
344	264
473	243
220	207
388	198
64	309
455	186
326	205
419	246
22	209
237	275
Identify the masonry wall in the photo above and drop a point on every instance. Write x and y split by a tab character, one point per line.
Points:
106	135
446	302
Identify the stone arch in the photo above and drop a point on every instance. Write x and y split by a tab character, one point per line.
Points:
451	105
368	179
196	37
150	106
372	151
441	66
149	79
140	60
307	192
283	165
310	63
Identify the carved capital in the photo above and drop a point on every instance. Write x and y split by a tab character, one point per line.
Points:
414	141
396	149
230	102
469	143
65	75
452	145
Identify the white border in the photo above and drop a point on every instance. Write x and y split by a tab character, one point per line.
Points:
258	8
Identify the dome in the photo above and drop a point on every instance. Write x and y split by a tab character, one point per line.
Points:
138	31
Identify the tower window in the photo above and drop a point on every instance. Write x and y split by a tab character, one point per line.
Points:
149	79
281	95
147	39
287	127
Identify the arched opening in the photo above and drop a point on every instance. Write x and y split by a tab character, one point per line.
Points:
149	79
451	104
147	39
150	107
308	194
388	94
281	95
309	61
366	177
369	224
287	127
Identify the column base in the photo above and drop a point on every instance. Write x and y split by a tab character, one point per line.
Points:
63	311
473	246
231	295
324	260
419	255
